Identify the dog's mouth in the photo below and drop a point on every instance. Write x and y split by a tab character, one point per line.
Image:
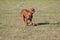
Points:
33	11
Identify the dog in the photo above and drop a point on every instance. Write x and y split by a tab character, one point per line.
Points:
27	16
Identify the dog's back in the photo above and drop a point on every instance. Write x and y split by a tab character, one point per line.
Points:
26	13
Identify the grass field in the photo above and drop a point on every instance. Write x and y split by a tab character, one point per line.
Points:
46	18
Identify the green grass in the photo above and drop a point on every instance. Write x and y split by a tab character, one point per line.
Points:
11	24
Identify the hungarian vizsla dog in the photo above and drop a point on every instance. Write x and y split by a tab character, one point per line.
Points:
27	16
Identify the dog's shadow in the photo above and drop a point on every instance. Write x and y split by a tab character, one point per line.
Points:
37	24
44	23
